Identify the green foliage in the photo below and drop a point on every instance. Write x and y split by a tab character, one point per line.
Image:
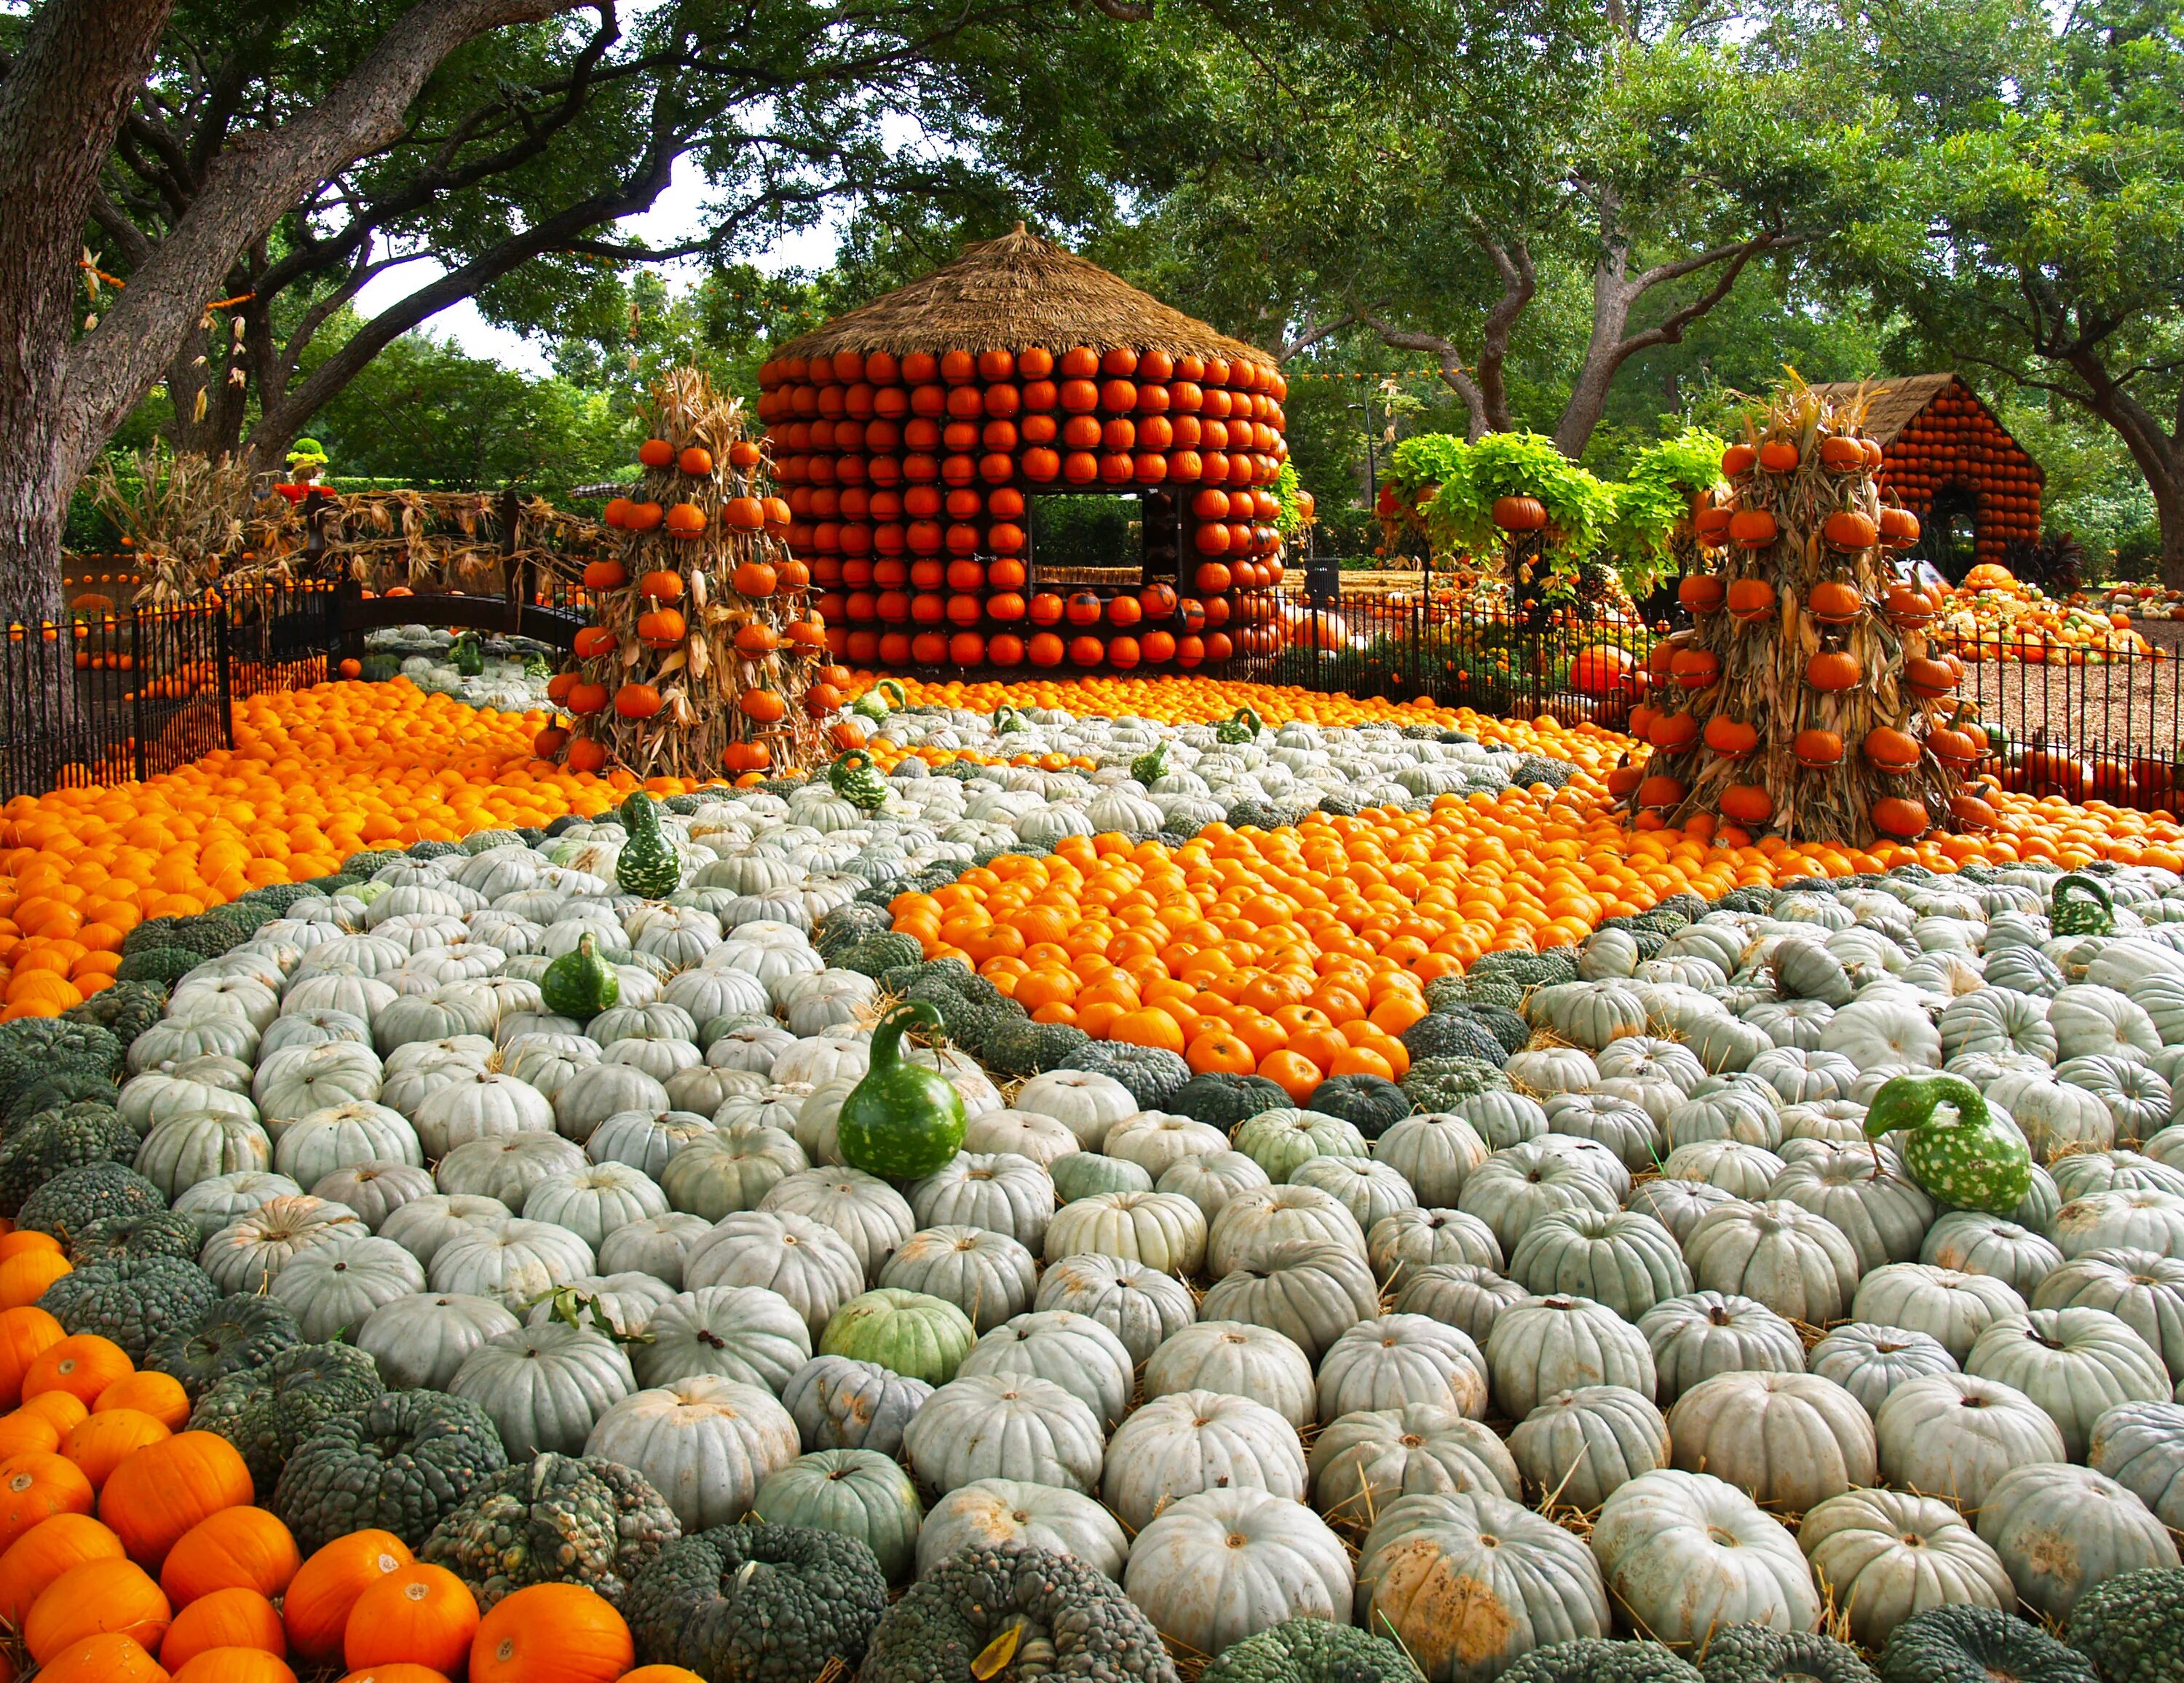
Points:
1654	499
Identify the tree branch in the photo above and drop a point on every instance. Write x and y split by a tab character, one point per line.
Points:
249	187
1456	377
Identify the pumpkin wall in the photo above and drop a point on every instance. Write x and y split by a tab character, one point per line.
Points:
910	479
1940	442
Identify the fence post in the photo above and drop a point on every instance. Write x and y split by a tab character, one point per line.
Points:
227	685
136	692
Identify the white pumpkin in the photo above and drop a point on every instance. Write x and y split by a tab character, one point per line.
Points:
1005	1426
592	1201
338	1284
1087	1104
249	1254
745	1333
1225	1564
546	1386
515	1263
420	1341
706	1444
185	1149
808	1263
1190	1443
1688	1554
1235	1359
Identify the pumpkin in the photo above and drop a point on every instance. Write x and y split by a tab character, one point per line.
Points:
415	1615
1072	1350
1399	1361
810	1265
325	1589
1890	1555
1222	1565
1580	1447
1954	1435
1005	1426
545	1387
1236	1360
42	1554
991	1512
1796	1263
226	1620
1541	1346
1695	1337
706	1444
2061	1529
99	1597
1870	1361
1790	1440
1688	1554
1523	1582
551	1633
2075	1364
1140	1305
155	1497
236	1548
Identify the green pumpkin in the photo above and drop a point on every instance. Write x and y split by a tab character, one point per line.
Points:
579	983
1241	725
1976	1163
381	668
901	1122
906	1332
853	778
1149	768
2079	906
648	867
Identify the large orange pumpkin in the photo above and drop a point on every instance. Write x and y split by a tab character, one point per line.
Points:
24	1276
43	1553
160	1396
25	1333
325	1587
156	1495
99	1597
226	1618
422	1614
107	1438
236	1548
552	1633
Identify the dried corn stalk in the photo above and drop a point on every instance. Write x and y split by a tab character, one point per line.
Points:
1762	677
710	691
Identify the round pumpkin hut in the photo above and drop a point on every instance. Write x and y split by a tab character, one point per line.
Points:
1020	460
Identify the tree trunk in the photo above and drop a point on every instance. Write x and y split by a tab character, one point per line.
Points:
2170	508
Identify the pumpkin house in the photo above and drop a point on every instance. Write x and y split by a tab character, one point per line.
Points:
1020	458
1975	489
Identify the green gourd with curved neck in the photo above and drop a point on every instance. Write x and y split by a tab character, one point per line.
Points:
1973	1162
647	867
853	778
579	983
1149	768
1242	725
902	1121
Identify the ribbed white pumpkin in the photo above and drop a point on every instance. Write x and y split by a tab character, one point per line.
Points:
656	1246
1540	1346
507	1168
1072	1350
423	1225
1086	1104
193	1146
2075	1364
1191	1441
1141	1305
1434	1153
1310	1291
1217	1567
292	1082
1790	1440
1000	1192
870	1215
1012	1426
1870	1361
706	1444
343	1136
1798	1264
515	1263
989	1513
1688	1554
375	1191
1578	1447
420	1341
545	1386
1399	1361
1164	1230
1890	1555
1253	1222
483	1105
1237	1360
1363	1462
249	1254
599	1090
1949	1306
744	1333
806	1262
1523	1582
1023	1134
1952	1435
337	1286
2060	1530
594	1201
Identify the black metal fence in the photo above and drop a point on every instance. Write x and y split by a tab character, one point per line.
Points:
117	694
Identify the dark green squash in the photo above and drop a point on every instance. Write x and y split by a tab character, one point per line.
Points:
901	1121
1223	1101
1369	1103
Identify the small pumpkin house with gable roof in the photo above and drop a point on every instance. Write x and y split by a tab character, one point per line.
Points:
1943	454
1022	458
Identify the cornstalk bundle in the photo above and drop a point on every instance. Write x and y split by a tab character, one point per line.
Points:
424	541
703	657
184	516
1804	701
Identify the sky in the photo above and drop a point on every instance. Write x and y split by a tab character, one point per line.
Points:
678	213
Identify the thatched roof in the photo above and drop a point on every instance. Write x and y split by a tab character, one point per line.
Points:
1014	292
1892	403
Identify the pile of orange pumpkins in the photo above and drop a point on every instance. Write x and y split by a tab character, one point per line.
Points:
909	481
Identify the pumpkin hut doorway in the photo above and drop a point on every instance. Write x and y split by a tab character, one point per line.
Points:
1020	460
1945	457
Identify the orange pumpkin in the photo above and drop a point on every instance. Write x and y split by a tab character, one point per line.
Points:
1847	529
1840	454
1750	600
1746	804
685	520
661	1674
1833	669
1832	602
399	1673
59	1408
96	1598
103	1659
1817	748
226	1618
34	1487
637	701
1894	816
1725	735
607	574
660	585
764	706
82	1364
107	1438
236	1548
325	1589
1930	679
1780	455
1891	750
160	1396
754	579
235	1665
1661	791
1702	592
593	641
154	1497
26	1429
1737	458
422	1614
24	1276
656	453
1519	513
43	1553
552	1633
1752	528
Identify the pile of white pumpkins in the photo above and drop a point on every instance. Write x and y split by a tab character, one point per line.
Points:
1658	1279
